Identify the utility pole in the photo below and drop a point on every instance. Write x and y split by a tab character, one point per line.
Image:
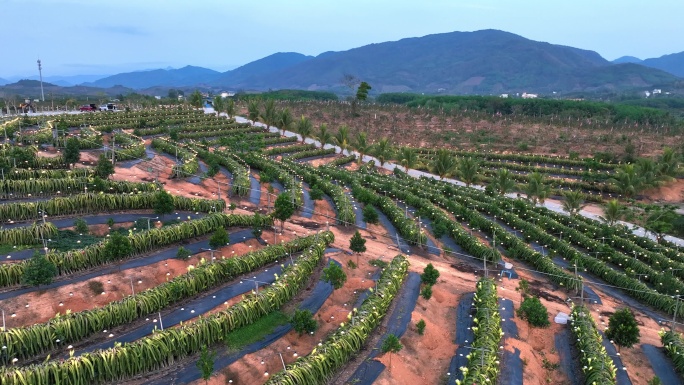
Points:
674	316
113	143
40	71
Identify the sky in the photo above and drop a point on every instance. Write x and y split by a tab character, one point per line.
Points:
78	37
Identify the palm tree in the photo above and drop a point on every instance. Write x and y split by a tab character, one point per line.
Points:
361	145
219	105
304	127
627	181
408	158
443	163
269	115
503	181
230	108
668	164
285	120
574	202
383	150
648	171
536	189
612	212
253	110
341	138
324	136
468	170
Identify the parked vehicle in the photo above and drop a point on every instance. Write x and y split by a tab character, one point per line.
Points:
88	107
108	107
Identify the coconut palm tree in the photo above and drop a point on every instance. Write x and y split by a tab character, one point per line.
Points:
324	136
285	120
468	170
627	181
443	163
269	116
253	110
612	212
648	172
536	189
383	150
574	202
341	138
304	127
503	181
361	145
408	158
668	165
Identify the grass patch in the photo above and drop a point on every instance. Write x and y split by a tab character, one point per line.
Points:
378	263
256	331
70	240
6	249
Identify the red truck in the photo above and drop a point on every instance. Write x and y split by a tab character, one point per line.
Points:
88	107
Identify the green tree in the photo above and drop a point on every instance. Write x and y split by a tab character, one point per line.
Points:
38	271
163	203
536	188
612	212
383	150
323	136
468	170
391	345
660	221
104	167
334	275
117	247
623	328
303	322
362	91
523	288
426	292
361	145
219	239
408	158
283	208
205	364
285	120
503	181
231	109
420	326
253	110
534	312
370	215
627	181
357	244
196	99
341	138
430	275
648	172
304	128
668	164
573	203
219	104
443	164
269	116
183	253
72	152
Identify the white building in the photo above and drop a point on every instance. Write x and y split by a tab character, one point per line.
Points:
525	95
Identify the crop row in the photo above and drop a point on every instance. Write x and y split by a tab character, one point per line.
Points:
188	165
27	342
597	366
166	347
322	363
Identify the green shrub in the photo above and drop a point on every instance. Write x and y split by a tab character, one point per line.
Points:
426	292
81	226
420	325
370	215
534	312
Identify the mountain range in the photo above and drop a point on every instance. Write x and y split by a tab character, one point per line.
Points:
480	62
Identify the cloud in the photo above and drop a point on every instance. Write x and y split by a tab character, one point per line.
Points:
123	30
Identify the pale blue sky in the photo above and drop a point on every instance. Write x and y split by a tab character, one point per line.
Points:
105	37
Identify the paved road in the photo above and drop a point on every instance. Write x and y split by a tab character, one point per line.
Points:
237	237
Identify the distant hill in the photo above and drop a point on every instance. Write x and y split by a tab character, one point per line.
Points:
185	76
627	59
3	81
30	89
673	63
250	73
481	62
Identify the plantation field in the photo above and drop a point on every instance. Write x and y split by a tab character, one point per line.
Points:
144	315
